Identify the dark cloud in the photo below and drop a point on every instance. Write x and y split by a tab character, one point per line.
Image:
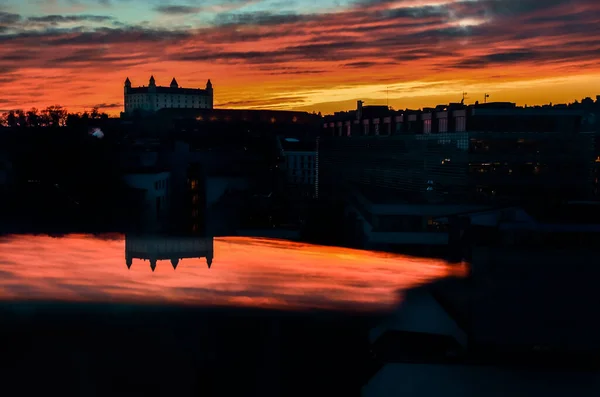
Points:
177	10
365	36
7	18
108	106
522	56
264	102
296	72
56	19
103	36
259	18
18	56
363	64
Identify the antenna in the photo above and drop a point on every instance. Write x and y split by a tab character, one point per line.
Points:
464	96
485	97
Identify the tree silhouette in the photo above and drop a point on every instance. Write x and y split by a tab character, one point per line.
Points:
33	118
52	116
57	115
21	118
11	119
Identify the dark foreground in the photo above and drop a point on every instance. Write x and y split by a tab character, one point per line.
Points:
118	350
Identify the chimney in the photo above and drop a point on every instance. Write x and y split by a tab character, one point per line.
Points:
359	107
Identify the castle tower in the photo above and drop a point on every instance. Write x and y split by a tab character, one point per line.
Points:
127	85
174	83
152	82
209	90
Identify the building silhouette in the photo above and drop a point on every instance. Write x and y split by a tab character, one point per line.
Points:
153	97
395	172
299	164
154	248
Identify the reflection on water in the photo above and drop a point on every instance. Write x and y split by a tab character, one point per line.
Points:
245	272
173	248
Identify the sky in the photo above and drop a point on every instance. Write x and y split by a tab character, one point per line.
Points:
245	272
300	54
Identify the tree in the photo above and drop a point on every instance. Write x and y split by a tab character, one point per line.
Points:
57	115
94	114
33	118
11	119
21	118
73	119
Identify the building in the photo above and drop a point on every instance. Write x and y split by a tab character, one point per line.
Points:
173	248
413	165
528	273
299	165
155	185
152	98
484	153
247	121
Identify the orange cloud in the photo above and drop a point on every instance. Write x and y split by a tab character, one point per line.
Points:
245	272
410	53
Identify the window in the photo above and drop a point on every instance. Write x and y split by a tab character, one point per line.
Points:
443	125
398	128
460	124
427	126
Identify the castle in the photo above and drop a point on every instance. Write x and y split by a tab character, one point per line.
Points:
153	97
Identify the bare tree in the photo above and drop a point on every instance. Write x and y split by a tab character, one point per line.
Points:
21	118
33	118
57	115
11	119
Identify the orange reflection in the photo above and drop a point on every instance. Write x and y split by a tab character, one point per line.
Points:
246	272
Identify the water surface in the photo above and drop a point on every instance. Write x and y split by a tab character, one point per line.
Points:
245	272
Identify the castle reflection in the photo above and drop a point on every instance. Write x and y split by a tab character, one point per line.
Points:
251	272
156	248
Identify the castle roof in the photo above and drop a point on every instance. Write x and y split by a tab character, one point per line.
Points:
169	90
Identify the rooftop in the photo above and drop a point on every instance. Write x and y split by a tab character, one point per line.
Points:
298	145
169	90
273	116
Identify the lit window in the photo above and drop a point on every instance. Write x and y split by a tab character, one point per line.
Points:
427	126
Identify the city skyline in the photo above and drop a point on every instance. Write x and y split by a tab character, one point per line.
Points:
408	54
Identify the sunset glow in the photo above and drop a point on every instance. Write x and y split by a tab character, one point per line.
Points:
300	54
245	272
